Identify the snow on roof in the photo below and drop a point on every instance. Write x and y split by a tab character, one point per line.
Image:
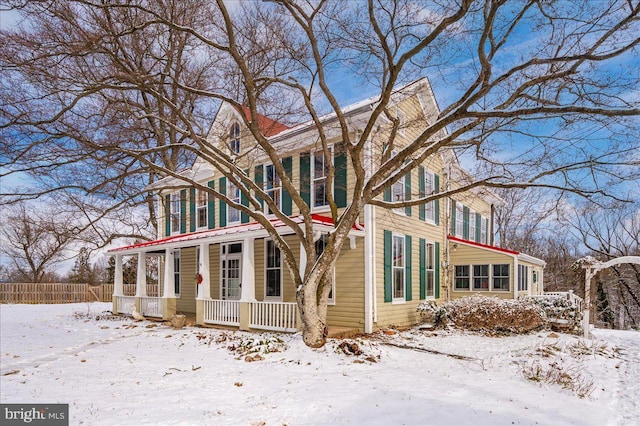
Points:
230	230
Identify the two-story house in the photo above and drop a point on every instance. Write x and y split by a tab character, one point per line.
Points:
221	266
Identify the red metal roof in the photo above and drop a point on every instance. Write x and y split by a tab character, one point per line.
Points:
267	126
237	229
486	246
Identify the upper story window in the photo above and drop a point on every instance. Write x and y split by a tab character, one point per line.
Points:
472	226
319	173
202	197
272	186
233	193
174	210
483	231
459	225
430	189
234	138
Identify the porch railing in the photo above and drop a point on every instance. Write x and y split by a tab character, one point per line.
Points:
151	306
125	304
275	316
222	312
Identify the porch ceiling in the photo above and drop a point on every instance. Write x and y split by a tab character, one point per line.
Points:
230	233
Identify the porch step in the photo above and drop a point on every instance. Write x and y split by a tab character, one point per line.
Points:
335	332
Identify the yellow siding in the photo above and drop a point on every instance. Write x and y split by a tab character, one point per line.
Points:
214	270
259	259
187	300
348	310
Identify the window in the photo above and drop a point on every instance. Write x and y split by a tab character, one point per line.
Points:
459	219
398	267
472	226
201	208
233	193
501	277
234	138
319	172
483	231
397	191
320	246
523	278
272	186
176	272
481	277
273	279
430	189
461	278
175	212
430	270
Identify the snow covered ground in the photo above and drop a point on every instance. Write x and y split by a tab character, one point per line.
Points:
117	372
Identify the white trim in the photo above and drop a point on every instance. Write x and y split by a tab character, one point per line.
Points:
206	209
402	299
264	282
265	207
171	213
312	179
229	207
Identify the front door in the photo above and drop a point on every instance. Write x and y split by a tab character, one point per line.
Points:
231	276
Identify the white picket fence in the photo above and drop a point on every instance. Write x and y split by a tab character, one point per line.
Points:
274	316
222	312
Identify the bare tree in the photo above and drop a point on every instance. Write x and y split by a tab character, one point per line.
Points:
532	111
35	240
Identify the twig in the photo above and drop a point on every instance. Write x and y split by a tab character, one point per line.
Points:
431	351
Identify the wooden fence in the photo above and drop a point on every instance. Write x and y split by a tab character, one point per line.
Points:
63	292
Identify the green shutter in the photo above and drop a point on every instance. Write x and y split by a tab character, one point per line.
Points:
222	187
183	211
244	200
340	175
478	227
388	277
407	268
422	193
287	164
436	271
305	177
453	217
211	207
407	192
167	215
465	222
423	268
258	178
436	206
386	195
192	209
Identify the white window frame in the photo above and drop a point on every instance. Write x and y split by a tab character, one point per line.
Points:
274	190
494	277
456	276
430	189
174	212
235	198
523	278
430	269
459	228
202	207
474	276
472	226
268	268
398	264
332	295
483	231
314	179
176	272
234	138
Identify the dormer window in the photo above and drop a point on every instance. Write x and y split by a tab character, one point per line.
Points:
234	138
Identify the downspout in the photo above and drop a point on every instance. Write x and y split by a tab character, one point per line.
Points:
445	231
370	304
491	225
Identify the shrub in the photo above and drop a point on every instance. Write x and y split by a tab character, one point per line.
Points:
559	308
492	315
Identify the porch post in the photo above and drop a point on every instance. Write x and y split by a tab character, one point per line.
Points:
141	281
589	273
118	287
169	293
248	289
204	289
